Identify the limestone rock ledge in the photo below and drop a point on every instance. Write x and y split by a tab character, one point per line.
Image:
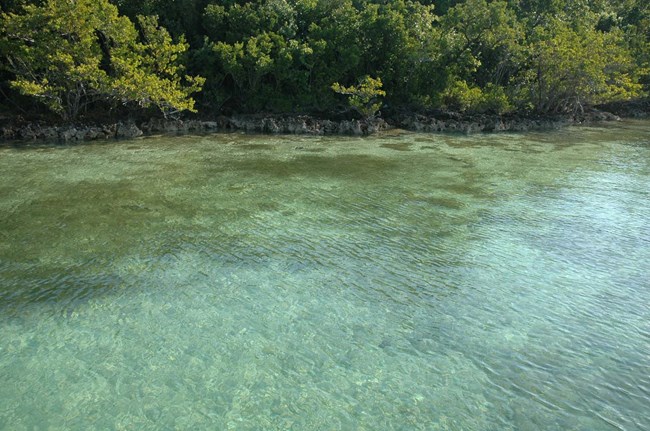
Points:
302	124
251	124
297	124
121	130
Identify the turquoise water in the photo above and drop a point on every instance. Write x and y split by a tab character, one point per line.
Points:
403	281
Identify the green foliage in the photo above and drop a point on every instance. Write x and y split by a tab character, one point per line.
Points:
483	41
495	100
148	72
400	42
71	54
573	68
179	17
634	21
284	55
461	97
364	96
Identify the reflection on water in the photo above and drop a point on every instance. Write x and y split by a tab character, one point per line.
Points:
404	281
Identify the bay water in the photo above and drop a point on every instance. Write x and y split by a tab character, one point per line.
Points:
396	282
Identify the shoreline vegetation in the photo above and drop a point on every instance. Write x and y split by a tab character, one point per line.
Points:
101	69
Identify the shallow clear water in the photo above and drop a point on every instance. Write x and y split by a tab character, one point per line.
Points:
403	281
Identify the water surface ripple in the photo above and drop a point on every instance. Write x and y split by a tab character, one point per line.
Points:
403	281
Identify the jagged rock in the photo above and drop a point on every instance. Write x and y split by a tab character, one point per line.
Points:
159	125
330	127
270	126
110	130
597	116
94	133
201	126
46	133
302	124
127	131
482	123
68	134
7	133
352	127
210	125
27	133
241	123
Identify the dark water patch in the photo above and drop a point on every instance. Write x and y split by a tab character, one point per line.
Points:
137	207
310	149
67	287
463	162
401	146
358	166
269	206
467	143
263	147
529	149
440	202
465	188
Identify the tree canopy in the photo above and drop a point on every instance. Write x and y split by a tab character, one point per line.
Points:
70	54
543	56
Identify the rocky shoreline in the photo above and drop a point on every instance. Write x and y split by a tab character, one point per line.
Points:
305	125
299	124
